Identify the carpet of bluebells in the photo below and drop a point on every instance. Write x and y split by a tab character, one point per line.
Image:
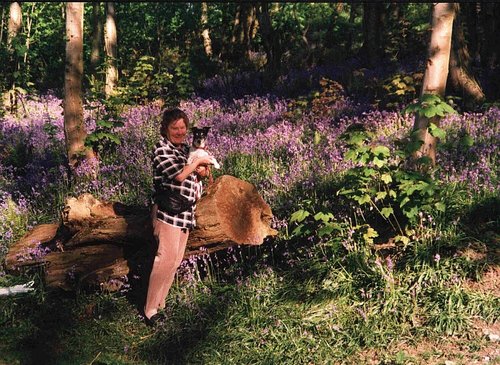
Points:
271	141
325	304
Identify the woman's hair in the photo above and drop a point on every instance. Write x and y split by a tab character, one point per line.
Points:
170	116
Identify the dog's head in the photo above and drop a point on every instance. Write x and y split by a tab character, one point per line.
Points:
199	136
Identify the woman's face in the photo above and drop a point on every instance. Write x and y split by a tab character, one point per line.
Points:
176	132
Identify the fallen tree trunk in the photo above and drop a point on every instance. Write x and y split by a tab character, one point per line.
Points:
96	241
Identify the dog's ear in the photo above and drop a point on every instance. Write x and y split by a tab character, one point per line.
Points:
194	129
206	129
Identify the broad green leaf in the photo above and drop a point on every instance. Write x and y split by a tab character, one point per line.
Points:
299	216
436	131
387	211
429	112
378	162
381	150
386	178
364	199
381	195
325	217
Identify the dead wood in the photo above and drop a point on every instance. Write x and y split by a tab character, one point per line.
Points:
93	243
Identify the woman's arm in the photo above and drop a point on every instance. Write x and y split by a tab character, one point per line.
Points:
189	169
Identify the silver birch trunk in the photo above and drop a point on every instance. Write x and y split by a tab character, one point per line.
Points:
436	73
110	44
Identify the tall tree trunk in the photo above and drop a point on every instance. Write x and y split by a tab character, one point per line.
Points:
471	16
460	78
489	56
13	28
205	33
436	73
95	52
74	129
110	40
15	23
29	23
268	39
350	35
372	32
2	24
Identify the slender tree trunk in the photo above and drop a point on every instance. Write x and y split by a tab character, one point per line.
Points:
460	78
350	35
95	53
110	40
436	73
205	33
3	23
13	28
29	23
74	129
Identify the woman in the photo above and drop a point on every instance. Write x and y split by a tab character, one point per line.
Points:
171	230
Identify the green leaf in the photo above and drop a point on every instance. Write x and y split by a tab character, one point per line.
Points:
381	150
351	155
381	195
436	131
440	206
370	235
405	240
378	162
429	112
324	217
369	172
364	199
387	211
299	216
386	178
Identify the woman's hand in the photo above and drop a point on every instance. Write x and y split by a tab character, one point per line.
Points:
203	171
189	169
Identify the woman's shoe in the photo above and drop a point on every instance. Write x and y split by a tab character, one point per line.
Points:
155	320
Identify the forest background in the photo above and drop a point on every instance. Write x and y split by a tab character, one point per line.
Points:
381	258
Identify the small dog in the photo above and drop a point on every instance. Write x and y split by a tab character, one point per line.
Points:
198	146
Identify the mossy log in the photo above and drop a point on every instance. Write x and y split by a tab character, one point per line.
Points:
95	241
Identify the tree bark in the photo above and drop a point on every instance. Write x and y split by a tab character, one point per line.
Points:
97	242
111	41
95	53
460	78
205	33
372	32
15	23
436	73
489	21
74	129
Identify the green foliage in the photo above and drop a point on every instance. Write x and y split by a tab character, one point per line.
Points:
380	182
104	138
430	106
249	167
399	89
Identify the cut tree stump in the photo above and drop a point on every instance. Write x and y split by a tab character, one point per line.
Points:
95	242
